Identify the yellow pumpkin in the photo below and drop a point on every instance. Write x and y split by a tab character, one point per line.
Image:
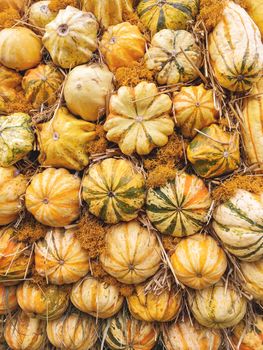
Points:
86	90
139	119
96	298
53	197
198	261
248	338
255	10
252	277
19	5
8	300
60	258
9	79
40	15
132	253
71	37
63	141
122	45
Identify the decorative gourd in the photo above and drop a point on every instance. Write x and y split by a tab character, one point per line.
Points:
255	10
139	119
180	208
252	337
218	306
60	258
169	56
96	298
46	302
73	331
236	51
41	85
20	48
9	79
238	223
188	335
71	37
40	14
86	90
8	301
252	274
132	253
12	187
16	138
53	197
214	152
171	14
63	141
114	190
122	45
194	108
198	261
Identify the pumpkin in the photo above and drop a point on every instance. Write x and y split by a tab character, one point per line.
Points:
86	90
218	306
63	141
71	37
12	187
60	258
114	190
73	331
20	48
8	300
235	49
198	261
122	45
18	5
139	119
96	298
9	79
47	302
252	276
189	335
53	197
40	14
255	10
194	108
238	224
16	138
41	85
169	56
132	253
179	208
252	337
214	152
23	332
172	14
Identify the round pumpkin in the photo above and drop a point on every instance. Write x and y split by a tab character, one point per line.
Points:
169	56
132	253
122	45
255	10
53	197
114	190
71	37
19	5
8	300
139	119
63	141
252	278
60	258
96	298
40	14
251	337
86	90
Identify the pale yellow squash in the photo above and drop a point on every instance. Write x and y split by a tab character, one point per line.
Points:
252	274
40	14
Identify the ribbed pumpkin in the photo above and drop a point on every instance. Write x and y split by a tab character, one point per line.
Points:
188	335
86	90
235	48
194	108
179	208
252	274
16	138
60	258
53	197
218	306
73	331
45	302
122	45
198	261
252	337
114	190
139	118
171	14
167	56
96	298
20	48
71	37
40	14
41	85
255	11
63	141
132	253
8	300
214	152
238	223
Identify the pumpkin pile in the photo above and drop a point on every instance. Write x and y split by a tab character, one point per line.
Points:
131	163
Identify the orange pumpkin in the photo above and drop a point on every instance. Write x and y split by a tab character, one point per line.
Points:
251	337
9	79
8	300
19	5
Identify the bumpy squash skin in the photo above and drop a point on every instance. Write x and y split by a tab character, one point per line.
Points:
8	300
252	274
40	14
252	337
